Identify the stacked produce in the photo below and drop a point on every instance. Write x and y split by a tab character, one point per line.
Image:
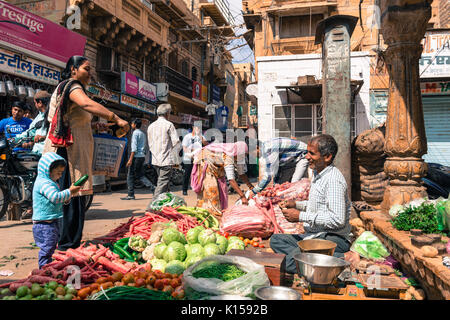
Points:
269	198
203	216
52	290
167	200
249	221
177	252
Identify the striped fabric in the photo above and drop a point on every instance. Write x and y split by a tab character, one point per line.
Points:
162	138
276	153
328	207
52	193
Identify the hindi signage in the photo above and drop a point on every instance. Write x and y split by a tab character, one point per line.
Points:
137	104
435	59
14	64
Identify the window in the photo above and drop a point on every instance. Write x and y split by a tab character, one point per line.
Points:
301	121
185	68
299	26
194	74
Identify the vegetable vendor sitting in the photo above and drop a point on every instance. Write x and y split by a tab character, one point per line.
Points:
282	159
212	165
326	214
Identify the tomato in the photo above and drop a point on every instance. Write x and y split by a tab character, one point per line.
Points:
140	282
166	281
175	283
102	280
159	284
255	244
261	245
226	234
168	289
241	238
150	279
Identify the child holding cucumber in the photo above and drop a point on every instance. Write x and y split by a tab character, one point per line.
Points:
48	203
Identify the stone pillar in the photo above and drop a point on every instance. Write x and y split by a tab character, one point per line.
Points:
403	25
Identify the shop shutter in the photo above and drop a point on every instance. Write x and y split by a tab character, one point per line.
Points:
436	111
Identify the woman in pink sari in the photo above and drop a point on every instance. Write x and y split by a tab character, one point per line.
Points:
212	166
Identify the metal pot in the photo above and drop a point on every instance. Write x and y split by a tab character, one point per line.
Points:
2	88
277	293
21	90
30	93
319	268
10	87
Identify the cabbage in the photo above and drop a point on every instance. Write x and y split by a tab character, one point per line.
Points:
182	238
158	264
192	235
239	245
171	234
195	249
175	267
233	238
206	236
395	209
191	260
211	249
175	251
159	250
222	242
201	228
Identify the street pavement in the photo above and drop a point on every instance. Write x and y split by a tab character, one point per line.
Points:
107	211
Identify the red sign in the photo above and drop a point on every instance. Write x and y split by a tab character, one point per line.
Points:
196	90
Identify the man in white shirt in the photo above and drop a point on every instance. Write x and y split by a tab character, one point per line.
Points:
192	142
326	214
162	139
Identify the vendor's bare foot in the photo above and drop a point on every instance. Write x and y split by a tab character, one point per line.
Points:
352	257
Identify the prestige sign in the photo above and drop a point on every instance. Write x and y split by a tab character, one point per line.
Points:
137	87
38	37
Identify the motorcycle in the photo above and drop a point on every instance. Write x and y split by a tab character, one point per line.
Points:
18	171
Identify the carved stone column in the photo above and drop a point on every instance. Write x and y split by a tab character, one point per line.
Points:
403	25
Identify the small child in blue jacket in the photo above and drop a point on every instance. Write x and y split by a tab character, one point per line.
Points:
48	203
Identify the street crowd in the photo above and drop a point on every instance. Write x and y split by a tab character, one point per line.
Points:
62	133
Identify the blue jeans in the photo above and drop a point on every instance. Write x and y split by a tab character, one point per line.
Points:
287	244
46	236
135	171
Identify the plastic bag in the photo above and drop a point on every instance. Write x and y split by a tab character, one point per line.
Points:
254	278
167	200
443	214
370	247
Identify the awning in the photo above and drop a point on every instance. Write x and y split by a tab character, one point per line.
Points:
179	102
312	93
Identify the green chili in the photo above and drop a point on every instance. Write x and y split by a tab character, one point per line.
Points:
125	253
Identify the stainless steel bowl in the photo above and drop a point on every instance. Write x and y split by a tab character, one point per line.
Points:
277	293
319	268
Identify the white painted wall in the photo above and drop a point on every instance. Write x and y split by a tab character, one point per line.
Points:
284	70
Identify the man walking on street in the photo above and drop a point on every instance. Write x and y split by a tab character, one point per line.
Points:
162	139
135	162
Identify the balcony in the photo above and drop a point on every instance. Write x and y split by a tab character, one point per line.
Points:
176	12
218	10
303	7
177	82
300	45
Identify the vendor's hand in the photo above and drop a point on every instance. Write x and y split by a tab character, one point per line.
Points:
244	201
291	214
352	257
287	204
74	189
27	145
123	124
38	138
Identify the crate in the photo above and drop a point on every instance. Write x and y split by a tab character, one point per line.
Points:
272	262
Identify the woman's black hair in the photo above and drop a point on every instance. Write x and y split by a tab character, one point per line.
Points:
19	104
56	164
74	61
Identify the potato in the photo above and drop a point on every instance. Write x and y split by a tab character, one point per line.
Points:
420	294
357	222
429	251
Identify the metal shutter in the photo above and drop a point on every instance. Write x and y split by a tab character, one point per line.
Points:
436	111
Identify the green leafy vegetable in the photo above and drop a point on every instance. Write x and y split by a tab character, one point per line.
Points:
422	217
222	271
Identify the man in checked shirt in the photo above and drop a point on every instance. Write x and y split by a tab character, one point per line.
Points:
325	215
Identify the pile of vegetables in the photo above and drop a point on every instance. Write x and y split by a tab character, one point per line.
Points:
421	217
222	271
131	293
167	200
130	249
177	252
143	278
298	190
203	216
52	290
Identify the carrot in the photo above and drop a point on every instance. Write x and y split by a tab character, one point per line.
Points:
77	255
69	261
113	266
99	253
59	256
43	279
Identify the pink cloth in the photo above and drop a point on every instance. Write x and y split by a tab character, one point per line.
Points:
223	192
196	183
231	149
